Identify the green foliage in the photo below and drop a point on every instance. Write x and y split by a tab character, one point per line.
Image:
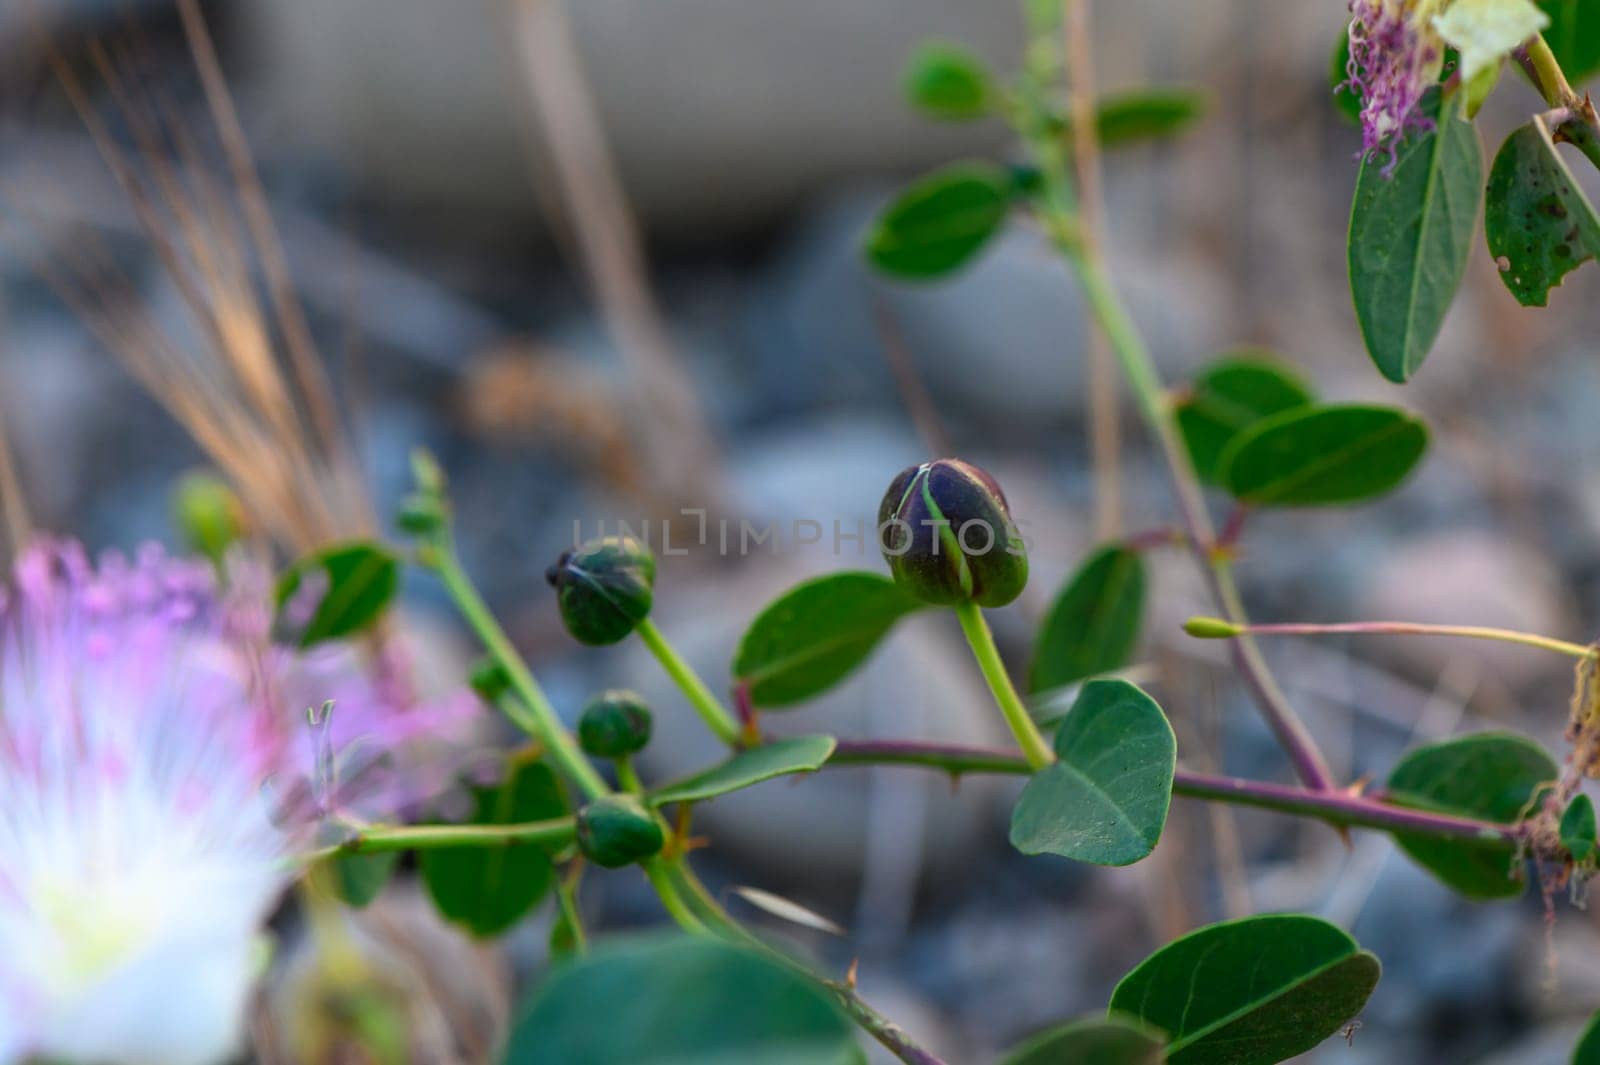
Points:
1587	1052
1148	114
358	879
1095	1041
1578	828
1093	625
1230	396
1410	238
1540	226
1491	776
361	578
486	890
1321	455
680	1001
946	81
812	637
1105	800
941	222
1250	992
1574	36
799	754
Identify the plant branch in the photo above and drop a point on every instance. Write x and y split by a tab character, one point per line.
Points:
895	1039
1336	808
552	833
710	709
1034	746
1217	628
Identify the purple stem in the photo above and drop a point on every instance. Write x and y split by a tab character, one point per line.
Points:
1335	807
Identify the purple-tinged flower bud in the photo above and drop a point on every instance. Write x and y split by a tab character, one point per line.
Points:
617	830
615	724
947	534
604	588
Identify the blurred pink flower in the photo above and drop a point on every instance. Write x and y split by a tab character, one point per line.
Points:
1395	56
157	780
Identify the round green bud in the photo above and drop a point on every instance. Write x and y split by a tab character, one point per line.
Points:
615	724
617	830
208	514
604	588
947	534
489	679
421	514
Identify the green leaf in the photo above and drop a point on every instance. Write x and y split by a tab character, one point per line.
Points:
360	878
948	82
680	1001
1346	101
1250	992
812	636
488	889
361	581
1574	36
1095	1041
1578	828
1148	114
1229	397
1490	775
1105	801
1410	238
799	754
1094	623
1539	224
941	221
1587	1052
1316	456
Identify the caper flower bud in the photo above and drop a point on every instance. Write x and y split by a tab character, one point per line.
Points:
617	830
947	534
604	588
615	724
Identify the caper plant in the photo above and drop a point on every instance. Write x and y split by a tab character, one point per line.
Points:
1486	814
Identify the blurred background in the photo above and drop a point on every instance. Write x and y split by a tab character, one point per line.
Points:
603	258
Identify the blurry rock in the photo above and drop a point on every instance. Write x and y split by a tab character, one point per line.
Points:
1000	343
1551	1045
1468	577
393	971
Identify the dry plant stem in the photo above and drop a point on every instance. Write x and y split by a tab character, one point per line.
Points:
1408	628
531	710
1105	417
1579	124
893	1038
1140	373
1336	808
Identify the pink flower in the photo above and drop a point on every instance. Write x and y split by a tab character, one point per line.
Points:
1395	56
155	772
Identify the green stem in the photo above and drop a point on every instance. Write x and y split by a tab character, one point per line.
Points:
533	714
628	777
711	711
553	833
1409	628
659	873
567	899
1033	744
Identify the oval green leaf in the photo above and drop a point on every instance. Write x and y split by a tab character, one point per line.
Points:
680	1001
1232	395
1250	992
1316	456
360	581
1105	799
815	634
486	890
1491	776
358	879
948	82
1539	224
1410	238
940	222
1587	1052
1148	114
1574	36
798	754
1095	1041
1094	623
1578	828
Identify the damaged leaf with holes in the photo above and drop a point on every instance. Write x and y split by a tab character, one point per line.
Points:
1539	224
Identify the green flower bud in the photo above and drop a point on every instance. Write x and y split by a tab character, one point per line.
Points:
604	588
615	724
421	514
208	514
948	537
489	679
617	830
